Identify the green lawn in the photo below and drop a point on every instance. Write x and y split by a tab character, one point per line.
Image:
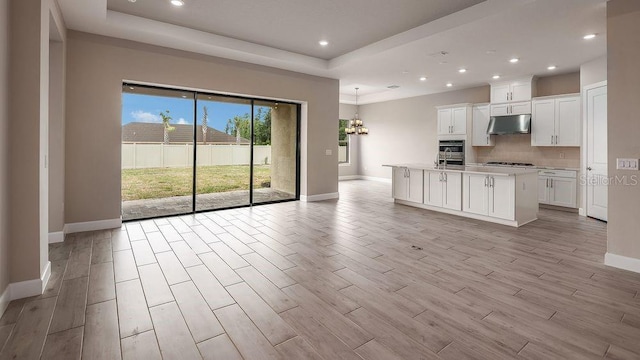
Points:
155	183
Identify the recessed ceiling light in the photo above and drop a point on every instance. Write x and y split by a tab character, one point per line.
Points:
514	60
449	84
552	67
323	42
462	71
496	77
589	36
177	2
424	78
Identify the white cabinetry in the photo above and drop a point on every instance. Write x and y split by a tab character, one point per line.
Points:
517	90
518	108
488	195
557	187
452	120
443	189
512	98
480	125
556	121
407	184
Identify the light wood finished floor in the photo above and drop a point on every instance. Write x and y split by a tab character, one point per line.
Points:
358	278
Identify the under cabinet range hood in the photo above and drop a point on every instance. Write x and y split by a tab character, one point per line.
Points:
509	124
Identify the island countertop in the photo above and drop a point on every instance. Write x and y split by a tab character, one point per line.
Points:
499	171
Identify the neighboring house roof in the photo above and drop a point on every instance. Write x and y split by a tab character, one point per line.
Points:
183	133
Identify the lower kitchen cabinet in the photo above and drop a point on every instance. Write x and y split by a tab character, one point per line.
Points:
443	189
408	184
489	195
558	188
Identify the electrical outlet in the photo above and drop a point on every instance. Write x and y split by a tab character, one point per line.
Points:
328	152
627	164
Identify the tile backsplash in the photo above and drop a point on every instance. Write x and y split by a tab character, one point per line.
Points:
517	148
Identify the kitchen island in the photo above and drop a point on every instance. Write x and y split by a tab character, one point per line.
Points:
507	196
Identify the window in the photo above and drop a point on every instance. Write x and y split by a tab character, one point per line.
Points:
343	142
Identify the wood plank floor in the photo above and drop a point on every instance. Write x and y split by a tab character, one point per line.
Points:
357	278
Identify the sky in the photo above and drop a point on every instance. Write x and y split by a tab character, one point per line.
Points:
147	108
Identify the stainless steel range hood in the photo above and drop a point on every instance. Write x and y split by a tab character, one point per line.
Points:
509	124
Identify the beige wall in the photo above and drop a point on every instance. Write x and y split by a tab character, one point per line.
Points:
346	112
405	130
594	71
100	64
623	49
559	84
4	149
29	81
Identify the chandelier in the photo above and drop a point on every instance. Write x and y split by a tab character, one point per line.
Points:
356	125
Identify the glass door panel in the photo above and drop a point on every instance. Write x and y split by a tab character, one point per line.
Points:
275	140
223	152
157	152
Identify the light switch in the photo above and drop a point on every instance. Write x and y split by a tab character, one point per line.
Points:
627	164
328	152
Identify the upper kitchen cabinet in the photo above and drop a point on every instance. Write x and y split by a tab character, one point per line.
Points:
453	119
480	125
555	121
513	91
518	108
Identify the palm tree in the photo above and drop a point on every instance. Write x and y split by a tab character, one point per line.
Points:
166	118
205	129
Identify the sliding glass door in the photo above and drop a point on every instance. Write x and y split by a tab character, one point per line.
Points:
157	152
185	151
223	153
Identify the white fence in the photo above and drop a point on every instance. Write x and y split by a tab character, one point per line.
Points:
138	156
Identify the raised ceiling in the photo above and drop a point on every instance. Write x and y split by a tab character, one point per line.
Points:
298	25
373	43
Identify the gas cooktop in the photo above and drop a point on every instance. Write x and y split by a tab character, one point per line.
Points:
507	163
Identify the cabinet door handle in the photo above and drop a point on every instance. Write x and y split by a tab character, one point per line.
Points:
547	184
492	182
487	140
439	176
486	179
551	183
556	139
551	139
507	96
444	177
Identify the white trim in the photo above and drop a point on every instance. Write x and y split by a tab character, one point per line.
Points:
319	197
92	226
56	237
622	262
512	223
30	288
5	298
348	177
582	212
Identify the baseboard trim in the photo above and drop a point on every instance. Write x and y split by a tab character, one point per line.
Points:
30	288
582	212
319	197
622	262
5	298
92	226
56	237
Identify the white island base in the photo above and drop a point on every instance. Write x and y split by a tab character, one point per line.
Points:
504	196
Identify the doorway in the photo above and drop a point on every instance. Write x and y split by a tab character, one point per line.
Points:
597	180
185	151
